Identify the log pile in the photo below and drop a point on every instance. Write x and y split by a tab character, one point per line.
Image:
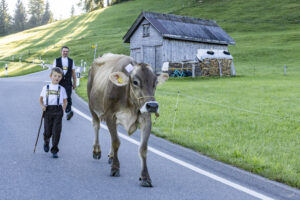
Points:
209	67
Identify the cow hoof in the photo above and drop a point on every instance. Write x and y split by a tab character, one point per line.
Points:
145	182
110	159
115	172
96	155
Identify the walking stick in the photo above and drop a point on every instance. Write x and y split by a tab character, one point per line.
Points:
37	138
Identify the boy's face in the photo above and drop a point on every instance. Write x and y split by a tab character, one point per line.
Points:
55	77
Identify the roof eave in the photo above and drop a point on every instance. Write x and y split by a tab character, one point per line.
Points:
132	29
179	37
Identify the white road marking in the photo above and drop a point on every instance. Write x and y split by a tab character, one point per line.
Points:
185	164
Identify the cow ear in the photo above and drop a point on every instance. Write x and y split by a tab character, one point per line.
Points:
119	78
163	77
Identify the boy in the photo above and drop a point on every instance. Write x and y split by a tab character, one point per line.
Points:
53	100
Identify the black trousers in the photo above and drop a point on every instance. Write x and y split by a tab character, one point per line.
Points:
68	87
52	126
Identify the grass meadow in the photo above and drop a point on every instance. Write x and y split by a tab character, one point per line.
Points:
18	69
251	121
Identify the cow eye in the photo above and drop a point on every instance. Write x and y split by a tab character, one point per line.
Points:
135	83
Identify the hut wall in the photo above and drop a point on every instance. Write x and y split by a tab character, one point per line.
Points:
178	51
155	50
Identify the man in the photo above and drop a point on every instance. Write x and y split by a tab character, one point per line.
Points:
68	67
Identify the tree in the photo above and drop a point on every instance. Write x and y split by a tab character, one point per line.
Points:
72	11
36	10
4	18
33	21
90	5
19	17
117	1
47	16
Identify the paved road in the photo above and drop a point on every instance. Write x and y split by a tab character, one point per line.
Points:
176	172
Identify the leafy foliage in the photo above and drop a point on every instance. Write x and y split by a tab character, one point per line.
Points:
20	17
4	18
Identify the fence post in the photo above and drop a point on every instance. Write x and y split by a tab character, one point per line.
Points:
84	68
20	59
284	68
78	76
6	68
193	70
176	108
95	51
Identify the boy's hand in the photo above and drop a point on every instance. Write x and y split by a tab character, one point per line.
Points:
44	108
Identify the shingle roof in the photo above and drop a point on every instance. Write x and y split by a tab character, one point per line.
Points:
183	28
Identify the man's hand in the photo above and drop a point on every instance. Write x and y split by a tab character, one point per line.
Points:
44	108
65	105
74	78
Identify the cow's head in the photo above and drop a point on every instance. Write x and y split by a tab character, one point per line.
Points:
142	84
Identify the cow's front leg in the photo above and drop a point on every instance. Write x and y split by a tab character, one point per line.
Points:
111	155
145	122
115	143
96	147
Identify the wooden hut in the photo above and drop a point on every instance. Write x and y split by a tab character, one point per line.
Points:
157	38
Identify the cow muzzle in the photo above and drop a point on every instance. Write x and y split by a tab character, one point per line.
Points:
150	106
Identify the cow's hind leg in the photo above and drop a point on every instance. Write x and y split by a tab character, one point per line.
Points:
96	147
115	143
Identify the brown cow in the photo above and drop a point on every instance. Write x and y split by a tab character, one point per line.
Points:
120	91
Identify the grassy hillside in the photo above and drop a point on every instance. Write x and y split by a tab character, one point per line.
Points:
18	69
266	33
251	121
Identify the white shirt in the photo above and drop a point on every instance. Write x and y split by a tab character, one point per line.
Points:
52	98
65	63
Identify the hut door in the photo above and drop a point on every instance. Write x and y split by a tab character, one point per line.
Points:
149	56
136	54
158	59
153	56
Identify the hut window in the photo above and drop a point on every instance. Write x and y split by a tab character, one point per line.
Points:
146	32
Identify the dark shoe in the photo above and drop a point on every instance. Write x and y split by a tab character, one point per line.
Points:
70	115
54	155
46	147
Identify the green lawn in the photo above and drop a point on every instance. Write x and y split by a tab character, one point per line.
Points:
18	69
251	120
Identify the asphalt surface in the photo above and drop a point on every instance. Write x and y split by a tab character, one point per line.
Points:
176	172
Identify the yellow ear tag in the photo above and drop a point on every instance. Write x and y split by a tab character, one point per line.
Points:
120	80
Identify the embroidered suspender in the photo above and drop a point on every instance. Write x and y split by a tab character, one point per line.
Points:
51	92
58	95
47	94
